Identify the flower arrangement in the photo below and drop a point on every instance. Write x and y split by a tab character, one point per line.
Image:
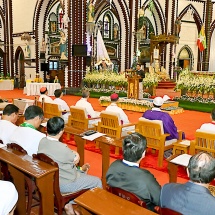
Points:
151	79
194	83
128	104
195	99
105	78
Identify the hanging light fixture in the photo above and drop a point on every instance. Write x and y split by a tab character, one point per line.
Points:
26	36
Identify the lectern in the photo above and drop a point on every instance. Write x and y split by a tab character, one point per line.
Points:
133	87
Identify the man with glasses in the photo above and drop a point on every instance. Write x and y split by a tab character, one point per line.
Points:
7	123
27	135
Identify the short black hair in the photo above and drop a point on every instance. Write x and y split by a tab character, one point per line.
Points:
133	147
138	64
201	168
9	109
33	111
55	125
57	93
85	93
213	114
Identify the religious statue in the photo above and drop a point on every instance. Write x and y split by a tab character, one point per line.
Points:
27	51
63	46
115	32
53	27
177	27
141	18
90	11
43	45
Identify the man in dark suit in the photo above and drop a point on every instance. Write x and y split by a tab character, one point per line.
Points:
192	197
127	175
141	73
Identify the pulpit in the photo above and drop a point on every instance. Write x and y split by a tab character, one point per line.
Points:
133	87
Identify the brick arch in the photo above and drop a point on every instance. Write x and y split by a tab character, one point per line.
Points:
118	8
196	15
18	52
161	16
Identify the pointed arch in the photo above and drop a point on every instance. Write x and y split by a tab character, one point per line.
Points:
190	53
196	15
160	13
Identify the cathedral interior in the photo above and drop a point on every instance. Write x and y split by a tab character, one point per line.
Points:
68	38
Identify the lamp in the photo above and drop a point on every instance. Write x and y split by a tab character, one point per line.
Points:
26	36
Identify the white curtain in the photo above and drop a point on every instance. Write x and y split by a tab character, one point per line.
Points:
212	54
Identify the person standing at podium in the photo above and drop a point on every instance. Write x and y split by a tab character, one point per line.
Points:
141	73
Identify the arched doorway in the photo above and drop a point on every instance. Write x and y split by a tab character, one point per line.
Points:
185	58
19	67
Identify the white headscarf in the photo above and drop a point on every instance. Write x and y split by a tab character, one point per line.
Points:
8	197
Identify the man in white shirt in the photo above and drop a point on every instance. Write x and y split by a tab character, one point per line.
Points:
44	94
7	124
209	127
63	106
27	135
8	198
114	108
85	104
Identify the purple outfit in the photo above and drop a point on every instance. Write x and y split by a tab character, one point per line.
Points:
168	123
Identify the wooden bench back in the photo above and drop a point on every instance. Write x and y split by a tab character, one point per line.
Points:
78	118
59	199
204	141
110	124
126	195
17	148
152	130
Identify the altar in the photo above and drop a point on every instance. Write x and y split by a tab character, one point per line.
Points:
34	88
6	84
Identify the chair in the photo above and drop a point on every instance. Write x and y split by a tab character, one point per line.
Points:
29	183
126	195
156	139
78	119
111	125
167	211
50	109
204	141
59	199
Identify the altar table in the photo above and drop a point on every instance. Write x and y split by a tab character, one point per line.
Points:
7	84
34	88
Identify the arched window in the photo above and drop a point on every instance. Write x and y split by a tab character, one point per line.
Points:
106	27
53	23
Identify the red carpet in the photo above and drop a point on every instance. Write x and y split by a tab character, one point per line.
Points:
188	121
150	161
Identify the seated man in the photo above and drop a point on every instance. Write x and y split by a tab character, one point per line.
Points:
127	175
27	135
8	198
114	108
72	179
84	103
38	79
7	124
63	106
44	94
192	197
157	114
209	127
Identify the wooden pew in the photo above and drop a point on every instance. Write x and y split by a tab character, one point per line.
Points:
105	142
20	165
102	202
